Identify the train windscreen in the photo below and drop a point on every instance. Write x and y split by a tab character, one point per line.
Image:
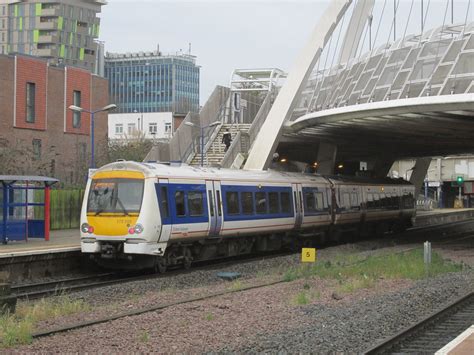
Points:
122	196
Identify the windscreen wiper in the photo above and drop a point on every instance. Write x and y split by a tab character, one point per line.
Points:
123	207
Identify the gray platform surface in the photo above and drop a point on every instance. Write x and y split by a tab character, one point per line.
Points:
59	241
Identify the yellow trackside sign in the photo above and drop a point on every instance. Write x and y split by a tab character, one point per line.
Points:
308	255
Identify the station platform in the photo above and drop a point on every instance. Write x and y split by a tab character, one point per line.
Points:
60	241
38	258
442	216
462	345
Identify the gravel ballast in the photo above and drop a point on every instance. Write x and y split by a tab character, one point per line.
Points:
268	319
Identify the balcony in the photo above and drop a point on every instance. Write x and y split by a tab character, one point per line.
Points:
48	39
46	52
50	12
51	25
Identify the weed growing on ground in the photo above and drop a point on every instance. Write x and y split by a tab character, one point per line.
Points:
209	316
301	299
354	272
145	337
236	285
17	328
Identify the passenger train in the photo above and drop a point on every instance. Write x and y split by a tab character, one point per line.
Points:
139	215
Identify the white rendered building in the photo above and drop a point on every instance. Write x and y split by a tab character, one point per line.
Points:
154	125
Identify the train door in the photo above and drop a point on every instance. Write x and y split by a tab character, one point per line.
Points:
214	201
298	204
163	194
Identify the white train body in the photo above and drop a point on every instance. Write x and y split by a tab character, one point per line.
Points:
175	213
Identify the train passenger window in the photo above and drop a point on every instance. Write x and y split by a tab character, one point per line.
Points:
370	201
165	213
346	201
195	201
319	201
261	202
354	200
179	198
211	204
285	202
232	202
310	201
247	202
273	202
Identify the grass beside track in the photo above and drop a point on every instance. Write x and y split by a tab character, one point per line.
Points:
17	328
351	273
355	272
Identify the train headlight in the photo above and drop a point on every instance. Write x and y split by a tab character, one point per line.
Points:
138	228
85	228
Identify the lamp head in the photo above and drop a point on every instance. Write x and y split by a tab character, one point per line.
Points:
76	108
109	107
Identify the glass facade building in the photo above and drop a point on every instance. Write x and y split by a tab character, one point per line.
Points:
152	82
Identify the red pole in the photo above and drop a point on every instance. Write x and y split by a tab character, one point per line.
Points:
46	212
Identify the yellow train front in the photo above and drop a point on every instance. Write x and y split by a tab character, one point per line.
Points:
114	226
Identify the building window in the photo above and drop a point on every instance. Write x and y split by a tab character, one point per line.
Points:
36	149
118	128
76	116
131	128
153	128
167	127
30	102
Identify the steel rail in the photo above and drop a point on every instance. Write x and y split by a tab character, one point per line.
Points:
402	340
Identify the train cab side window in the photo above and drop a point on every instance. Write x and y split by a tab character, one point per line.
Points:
261	202
285	202
165	213
195	203
179	198
232	202
273	202
246	199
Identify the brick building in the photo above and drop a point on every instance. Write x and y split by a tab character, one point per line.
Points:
38	134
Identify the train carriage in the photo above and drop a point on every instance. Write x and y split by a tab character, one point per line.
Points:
155	215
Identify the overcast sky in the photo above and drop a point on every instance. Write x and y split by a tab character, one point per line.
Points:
227	34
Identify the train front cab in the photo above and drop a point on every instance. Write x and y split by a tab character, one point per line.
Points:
116	219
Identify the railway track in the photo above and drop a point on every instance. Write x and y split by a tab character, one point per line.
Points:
433	332
58	287
55	287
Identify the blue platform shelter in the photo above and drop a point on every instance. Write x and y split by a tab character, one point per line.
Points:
24	207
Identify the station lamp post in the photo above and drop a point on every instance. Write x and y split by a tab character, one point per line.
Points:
202	128
92	113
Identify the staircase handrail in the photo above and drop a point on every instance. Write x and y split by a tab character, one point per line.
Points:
234	149
260	119
183	144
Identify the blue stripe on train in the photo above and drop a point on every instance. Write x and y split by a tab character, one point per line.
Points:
173	218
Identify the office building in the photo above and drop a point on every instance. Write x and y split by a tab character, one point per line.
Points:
152	82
